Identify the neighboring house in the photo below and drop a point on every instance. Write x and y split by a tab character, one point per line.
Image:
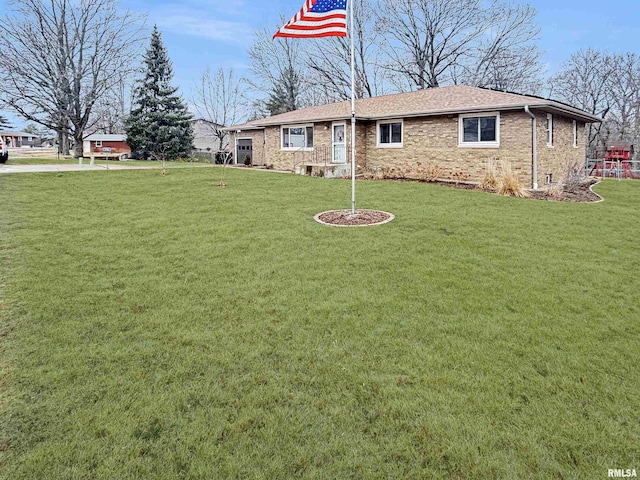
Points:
205	138
452	129
112	145
20	139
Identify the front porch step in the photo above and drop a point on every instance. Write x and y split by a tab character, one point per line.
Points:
328	170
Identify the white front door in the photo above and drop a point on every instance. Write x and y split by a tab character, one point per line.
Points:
339	143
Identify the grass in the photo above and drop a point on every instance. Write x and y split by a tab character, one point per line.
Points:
160	327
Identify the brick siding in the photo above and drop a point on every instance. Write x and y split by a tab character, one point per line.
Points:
433	141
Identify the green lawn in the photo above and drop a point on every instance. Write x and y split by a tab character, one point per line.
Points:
161	327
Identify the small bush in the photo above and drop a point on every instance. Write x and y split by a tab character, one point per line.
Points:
430	173
223	157
371	173
393	172
572	173
459	176
508	184
489	180
555	190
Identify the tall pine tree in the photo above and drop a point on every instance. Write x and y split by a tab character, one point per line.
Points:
4	123
159	124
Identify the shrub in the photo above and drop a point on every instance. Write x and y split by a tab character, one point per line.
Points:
489	180
247	160
222	157
430	173
572	173
459	176
555	190
509	185
393	172
372	173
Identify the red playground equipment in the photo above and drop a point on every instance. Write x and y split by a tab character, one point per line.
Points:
614	161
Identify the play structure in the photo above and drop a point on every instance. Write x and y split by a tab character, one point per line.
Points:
615	160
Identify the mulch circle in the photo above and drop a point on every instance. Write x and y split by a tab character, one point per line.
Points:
362	218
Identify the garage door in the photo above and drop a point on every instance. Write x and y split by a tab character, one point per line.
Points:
244	151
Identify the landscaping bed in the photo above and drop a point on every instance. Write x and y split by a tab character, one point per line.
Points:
580	192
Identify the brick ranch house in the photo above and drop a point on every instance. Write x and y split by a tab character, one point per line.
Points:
106	145
456	129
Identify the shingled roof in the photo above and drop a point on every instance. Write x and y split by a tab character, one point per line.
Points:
422	103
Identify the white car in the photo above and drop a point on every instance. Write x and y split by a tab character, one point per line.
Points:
4	152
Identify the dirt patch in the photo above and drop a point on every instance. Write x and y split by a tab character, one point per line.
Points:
361	218
569	193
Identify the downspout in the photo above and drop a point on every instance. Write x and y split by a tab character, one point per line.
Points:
264	147
534	143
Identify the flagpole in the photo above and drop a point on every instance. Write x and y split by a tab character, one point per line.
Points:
353	114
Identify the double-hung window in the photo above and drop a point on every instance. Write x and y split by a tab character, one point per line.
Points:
297	137
390	134
479	131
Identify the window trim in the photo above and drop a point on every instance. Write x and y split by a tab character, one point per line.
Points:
575	134
549	130
297	149
478	144
390	144
98	143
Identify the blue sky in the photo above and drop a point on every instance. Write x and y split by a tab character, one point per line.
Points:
214	33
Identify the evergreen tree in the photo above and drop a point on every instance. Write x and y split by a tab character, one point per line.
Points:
284	94
4	123
159	124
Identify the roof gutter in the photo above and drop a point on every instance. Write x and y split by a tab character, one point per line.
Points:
534	143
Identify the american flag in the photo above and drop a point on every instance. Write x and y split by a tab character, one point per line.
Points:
317	18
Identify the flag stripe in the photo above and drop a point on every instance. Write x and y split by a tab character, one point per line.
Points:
334	18
308	28
333	33
319	24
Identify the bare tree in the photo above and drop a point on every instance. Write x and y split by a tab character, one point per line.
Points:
330	60
70	53
584	82
506	56
424	39
439	42
279	70
218	99
111	109
623	120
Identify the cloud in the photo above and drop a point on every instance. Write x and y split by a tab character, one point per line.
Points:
205	23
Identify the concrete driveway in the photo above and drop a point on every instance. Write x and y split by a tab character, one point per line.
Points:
67	168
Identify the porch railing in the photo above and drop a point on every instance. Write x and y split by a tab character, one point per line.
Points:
322	155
